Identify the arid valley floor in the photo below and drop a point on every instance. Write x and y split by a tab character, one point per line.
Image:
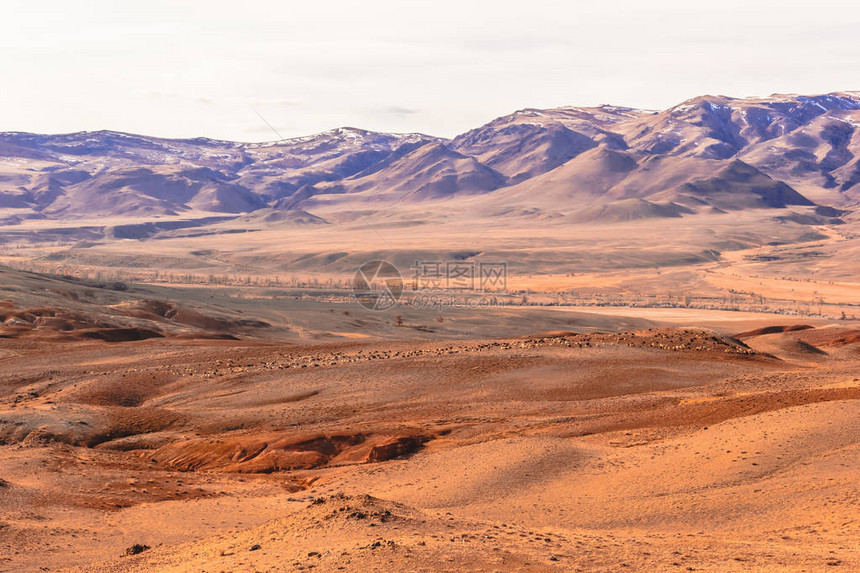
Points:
588	442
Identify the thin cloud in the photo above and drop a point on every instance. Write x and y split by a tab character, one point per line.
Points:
397	110
430	66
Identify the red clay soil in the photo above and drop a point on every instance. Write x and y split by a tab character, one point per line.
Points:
772	330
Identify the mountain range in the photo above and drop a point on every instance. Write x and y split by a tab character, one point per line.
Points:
710	154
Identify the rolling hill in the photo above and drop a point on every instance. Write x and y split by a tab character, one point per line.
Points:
802	148
540	188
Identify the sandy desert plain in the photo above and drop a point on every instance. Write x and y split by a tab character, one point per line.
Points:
669	381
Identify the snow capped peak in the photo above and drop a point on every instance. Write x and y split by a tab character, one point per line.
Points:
832	101
346	136
529	112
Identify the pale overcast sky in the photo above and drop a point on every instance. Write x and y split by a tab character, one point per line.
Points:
201	68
